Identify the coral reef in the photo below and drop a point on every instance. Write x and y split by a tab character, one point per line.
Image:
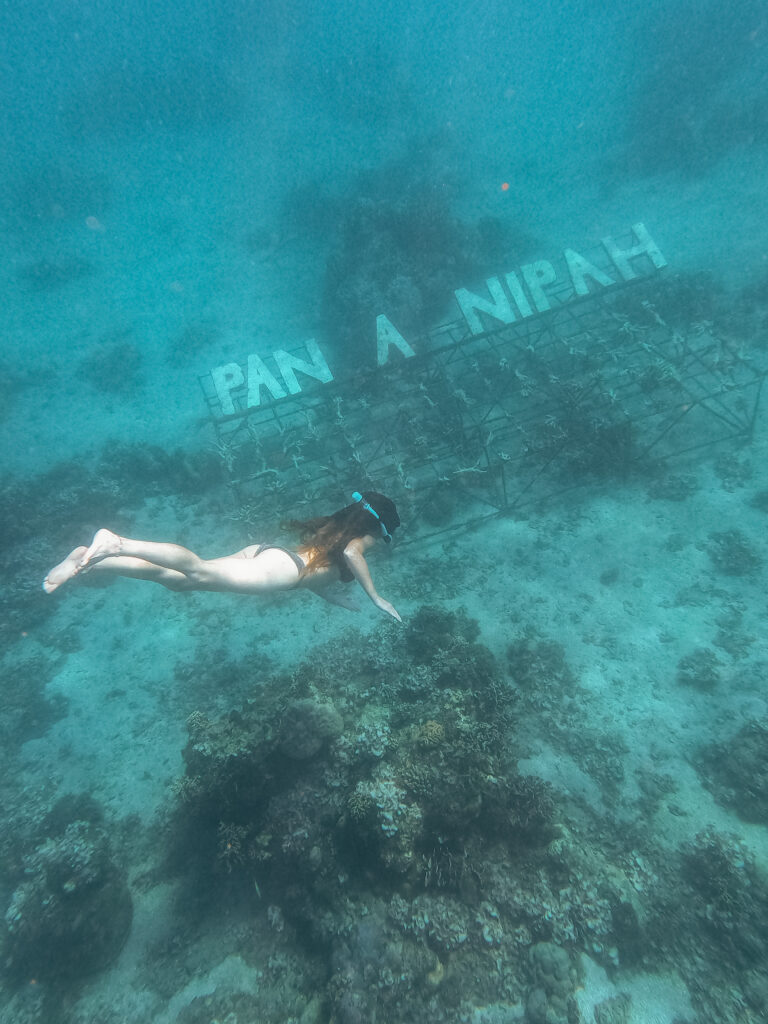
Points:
386	824
737	771
733	554
550	1001
538	662
71	910
700	669
706	908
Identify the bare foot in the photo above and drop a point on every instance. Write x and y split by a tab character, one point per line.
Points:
104	544
64	570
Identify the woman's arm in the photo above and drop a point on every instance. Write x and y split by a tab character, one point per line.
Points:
355	559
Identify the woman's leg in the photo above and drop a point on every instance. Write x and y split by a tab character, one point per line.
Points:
178	568
106	544
133	568
64	570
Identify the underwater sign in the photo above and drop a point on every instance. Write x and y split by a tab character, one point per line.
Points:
517	295
557	374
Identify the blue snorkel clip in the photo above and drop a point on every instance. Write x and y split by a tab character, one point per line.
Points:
357	496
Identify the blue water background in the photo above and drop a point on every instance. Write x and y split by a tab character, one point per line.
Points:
170	177
184	132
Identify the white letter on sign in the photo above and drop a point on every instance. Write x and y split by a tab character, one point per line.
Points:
259	375
645	247
517	293
225	380
580	269
498	306
536	275
387	334
288	364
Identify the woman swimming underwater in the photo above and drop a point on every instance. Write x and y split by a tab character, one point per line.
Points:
332	550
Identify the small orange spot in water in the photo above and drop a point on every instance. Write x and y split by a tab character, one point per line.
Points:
505	186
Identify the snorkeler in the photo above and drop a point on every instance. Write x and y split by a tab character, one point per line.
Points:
332	550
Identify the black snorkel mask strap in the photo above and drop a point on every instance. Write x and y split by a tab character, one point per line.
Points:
357	496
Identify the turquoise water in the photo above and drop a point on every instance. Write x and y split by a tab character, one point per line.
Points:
260	257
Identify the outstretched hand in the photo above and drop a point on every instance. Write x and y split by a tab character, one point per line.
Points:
385	606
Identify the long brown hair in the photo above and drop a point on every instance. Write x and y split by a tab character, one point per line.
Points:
328	536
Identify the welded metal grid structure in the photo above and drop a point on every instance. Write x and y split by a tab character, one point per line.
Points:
592	390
